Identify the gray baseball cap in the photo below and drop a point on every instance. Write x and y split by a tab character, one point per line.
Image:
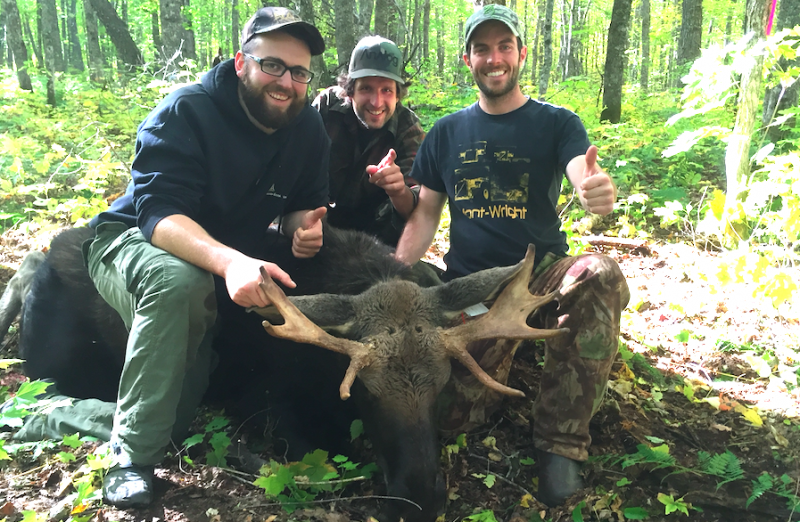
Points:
376	56
269	19
488	12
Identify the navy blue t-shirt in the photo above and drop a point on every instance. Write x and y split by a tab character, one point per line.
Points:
502	174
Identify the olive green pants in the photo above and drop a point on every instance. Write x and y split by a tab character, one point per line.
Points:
169	308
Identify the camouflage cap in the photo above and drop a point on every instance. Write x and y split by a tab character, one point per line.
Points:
376	56
488	12
269	19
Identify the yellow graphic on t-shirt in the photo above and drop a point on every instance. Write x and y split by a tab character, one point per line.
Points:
490	184
473	155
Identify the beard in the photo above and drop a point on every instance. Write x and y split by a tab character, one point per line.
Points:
499	92
254	99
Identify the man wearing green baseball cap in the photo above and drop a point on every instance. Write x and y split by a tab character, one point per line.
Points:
500	164
374	142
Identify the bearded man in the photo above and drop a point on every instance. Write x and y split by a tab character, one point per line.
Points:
500	163
216	164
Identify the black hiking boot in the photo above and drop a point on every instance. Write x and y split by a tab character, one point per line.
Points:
559	478
130	486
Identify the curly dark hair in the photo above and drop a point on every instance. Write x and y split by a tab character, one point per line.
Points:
348	85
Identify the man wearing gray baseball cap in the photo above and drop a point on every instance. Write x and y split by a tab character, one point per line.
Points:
374	142
500	164
216	163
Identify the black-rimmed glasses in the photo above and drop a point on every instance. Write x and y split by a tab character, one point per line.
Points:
298	73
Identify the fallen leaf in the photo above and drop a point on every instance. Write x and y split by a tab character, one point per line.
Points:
527	497
750	414
720	427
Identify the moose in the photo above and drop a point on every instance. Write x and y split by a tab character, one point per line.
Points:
398	330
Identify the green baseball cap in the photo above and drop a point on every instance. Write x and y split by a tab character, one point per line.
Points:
488	12
376	56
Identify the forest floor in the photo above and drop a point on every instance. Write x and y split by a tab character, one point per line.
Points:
688	381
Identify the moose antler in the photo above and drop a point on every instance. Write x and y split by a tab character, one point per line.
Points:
505	320
299	328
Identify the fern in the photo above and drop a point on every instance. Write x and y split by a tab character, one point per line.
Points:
760	486
723	465
659	456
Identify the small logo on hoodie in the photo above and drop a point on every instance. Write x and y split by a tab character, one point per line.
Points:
271	192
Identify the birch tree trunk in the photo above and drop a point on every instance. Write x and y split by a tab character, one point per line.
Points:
616	61
547	49
15	42
737	153
644	78
94	54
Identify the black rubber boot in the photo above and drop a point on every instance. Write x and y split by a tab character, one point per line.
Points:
130	486
559	478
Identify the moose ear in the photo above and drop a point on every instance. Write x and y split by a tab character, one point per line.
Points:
485	285
331	312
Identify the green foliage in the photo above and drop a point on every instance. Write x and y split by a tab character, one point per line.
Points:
636	513
28	400
483	516
297	483
726	467
217	441
671	504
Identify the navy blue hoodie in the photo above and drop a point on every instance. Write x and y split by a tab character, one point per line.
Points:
198	154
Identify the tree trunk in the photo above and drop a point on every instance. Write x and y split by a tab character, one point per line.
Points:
383	16
533	54
566	31
345	29
426	29
189	45
127	51
615	61
51	36
16	43
75	56
322	78
439	43
365	8
398	28
574	63
155	29
413	45
36	43
644	78
236	31
691	37
94	54
172	31
778	99
547	49
737	153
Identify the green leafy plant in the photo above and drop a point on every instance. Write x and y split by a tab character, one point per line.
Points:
218	442
672	505
297	483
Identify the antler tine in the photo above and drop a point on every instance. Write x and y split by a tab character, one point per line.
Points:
505	320
301	329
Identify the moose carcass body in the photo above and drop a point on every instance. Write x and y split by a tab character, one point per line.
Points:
392	328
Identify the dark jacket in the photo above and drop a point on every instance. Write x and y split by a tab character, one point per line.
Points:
198	154
359	204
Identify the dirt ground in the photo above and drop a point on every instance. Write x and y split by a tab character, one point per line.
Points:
643	407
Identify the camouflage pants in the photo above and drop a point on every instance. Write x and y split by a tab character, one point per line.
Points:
591	295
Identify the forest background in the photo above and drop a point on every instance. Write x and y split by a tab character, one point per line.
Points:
693	104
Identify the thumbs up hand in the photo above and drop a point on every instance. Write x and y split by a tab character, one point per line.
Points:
596	190
307	239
